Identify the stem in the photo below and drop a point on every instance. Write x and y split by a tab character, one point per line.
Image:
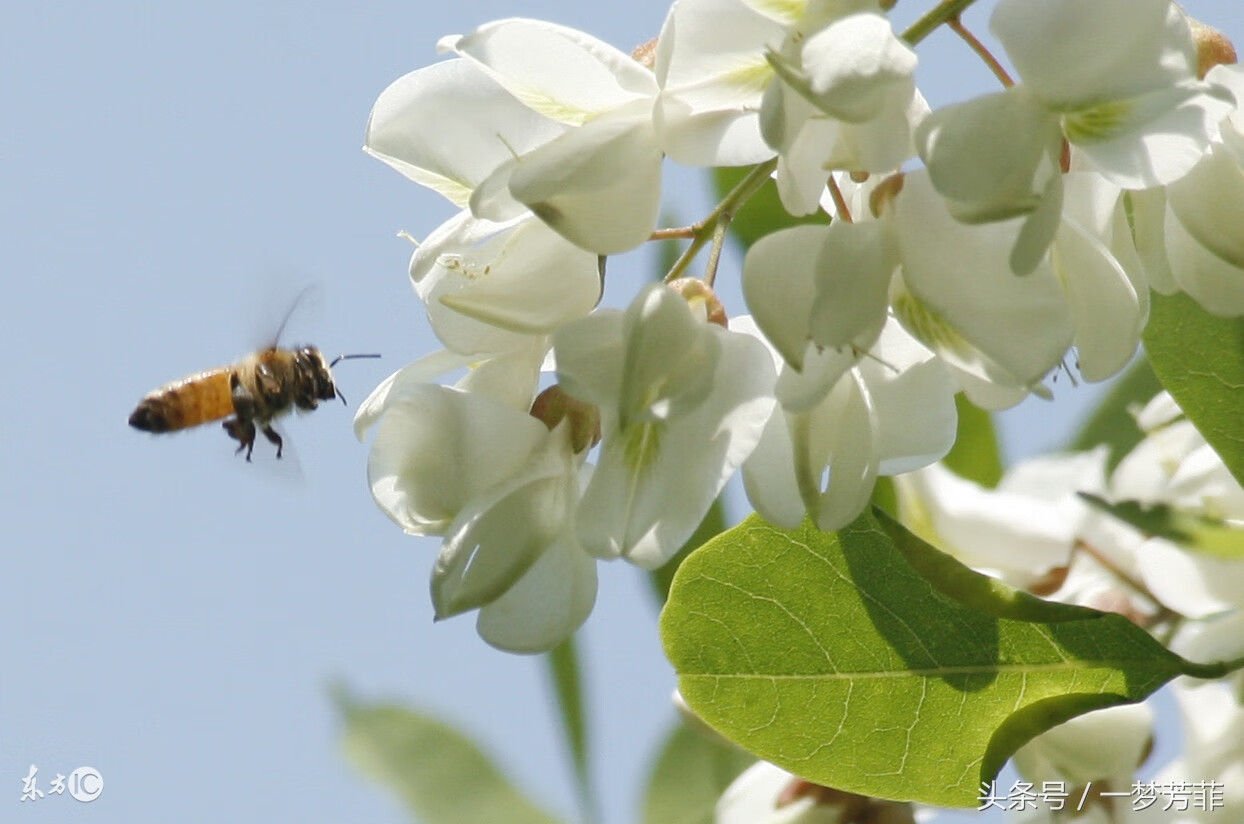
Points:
567	682
1164	612
1213	670
840	203
678	233
956	25
933	18
714	251
721	216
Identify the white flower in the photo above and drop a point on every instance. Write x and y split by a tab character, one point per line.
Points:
1174	466
598	183
858	416
1107	745
712	72
1190	235
682	404
489	284
752	799
1115	78
845	99
491	287
767	794
1213	750
826	86
449	126
1019	530
501	489
534	116
958	295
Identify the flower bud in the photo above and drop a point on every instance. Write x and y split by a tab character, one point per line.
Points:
1050	582
553	405
702	299
645	54
1212	47
885	192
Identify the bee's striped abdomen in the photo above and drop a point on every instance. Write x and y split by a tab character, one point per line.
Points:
199	398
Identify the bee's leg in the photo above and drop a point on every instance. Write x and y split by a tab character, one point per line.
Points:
241	430
241	427
273	437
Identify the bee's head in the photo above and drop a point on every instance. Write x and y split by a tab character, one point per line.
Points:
315	379
337	360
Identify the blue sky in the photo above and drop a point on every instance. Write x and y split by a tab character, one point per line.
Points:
172	175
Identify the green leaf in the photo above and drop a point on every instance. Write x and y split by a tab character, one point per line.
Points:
976	455
763	212
689	775
714	524
1193	532
563	662
442	776
869	662
1200	360
1112	422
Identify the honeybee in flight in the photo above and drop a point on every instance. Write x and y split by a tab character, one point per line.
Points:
255	391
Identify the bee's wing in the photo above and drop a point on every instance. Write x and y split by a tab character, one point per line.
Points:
306	304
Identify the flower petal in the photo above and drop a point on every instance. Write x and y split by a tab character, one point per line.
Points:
1209	202
546	605
990	157
962	273
779	284
448	126
555	70
425	369
856	67
853	271
711	69
645	500
489	287
847	427
1071	53
599	186
1105	308
428	428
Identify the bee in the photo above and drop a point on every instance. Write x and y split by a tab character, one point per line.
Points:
255	391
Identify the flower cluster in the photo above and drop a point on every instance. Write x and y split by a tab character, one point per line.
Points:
1040	219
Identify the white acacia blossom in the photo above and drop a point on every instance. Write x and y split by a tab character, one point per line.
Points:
857	412
1117	79
501	489
682	402
1042	217
488	286
1189	233
598	183
1018	531
532	116
822	85
957	293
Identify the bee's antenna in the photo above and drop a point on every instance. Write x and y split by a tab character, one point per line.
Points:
340	358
